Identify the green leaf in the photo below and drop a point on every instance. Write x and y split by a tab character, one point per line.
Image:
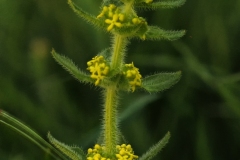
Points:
86	16
67	64
107	53
75	153
31	135
160	81
156	33
133	30
107	2
155	149
161	4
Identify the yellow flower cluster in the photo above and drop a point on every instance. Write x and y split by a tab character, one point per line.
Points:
96	153
113	17
133	76
98	67
114	22
124	152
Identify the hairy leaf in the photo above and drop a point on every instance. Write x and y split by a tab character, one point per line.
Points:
107	2
155	149
67	64
86	16
160	81
106	53
133	30
75	153
161	4
156	33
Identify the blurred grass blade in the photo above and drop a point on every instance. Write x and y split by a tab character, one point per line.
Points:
233	78
154	150
203	147
230	98
161	81
25	131
137	105
193	63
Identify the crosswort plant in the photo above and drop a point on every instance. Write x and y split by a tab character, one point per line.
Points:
109	71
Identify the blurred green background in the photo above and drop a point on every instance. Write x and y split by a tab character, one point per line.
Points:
202	111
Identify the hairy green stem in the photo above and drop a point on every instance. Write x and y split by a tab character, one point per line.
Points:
119	44
110	120
110	115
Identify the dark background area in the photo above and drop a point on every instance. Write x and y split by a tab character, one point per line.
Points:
202	111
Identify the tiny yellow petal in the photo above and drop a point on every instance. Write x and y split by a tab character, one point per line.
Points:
133	72
118	156
102	65
123	145
118	24
97	82
105	71
143	37
94	76
110	27
115	17
121	17
110	14
112	6
90	150
135	20
105	9
122	152
89	63
129	146
97	155
97	146
100	15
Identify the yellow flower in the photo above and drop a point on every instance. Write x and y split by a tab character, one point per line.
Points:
133	75
112	16
136	20
113	22
125	152
96	153
107	11
98	67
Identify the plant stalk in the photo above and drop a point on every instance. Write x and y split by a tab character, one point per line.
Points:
111	98
119	45
110	120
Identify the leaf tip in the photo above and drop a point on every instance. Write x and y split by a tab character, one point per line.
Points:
168	134
179	73
53	51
